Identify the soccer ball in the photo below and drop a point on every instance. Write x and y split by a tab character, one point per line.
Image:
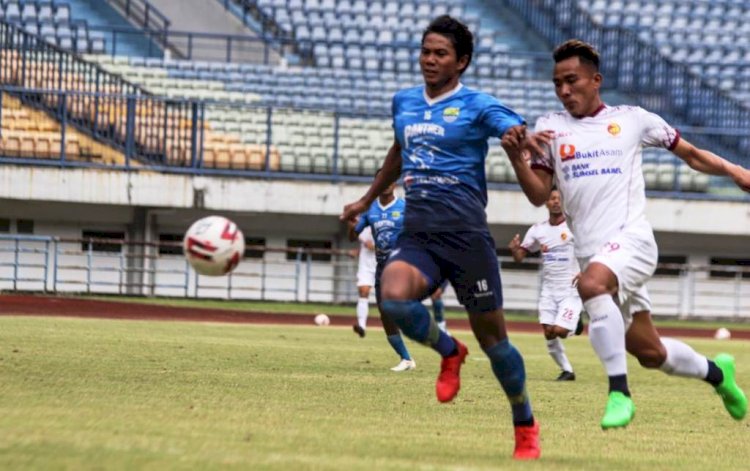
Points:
214	245
722	333
322	319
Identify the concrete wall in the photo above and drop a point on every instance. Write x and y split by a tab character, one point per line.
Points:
64	203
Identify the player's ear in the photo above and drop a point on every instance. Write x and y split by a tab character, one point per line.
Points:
463	63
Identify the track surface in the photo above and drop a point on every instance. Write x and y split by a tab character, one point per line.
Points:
30	305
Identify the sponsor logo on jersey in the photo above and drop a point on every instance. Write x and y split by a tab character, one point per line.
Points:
567	152
450	114
614	129
421	129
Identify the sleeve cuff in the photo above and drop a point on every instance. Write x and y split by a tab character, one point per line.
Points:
676	140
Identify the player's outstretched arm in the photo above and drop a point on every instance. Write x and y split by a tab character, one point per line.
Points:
536	184
518	252
710	163
389	173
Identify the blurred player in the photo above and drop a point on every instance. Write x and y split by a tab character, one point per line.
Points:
441	132
559	303
366	265
438	306
385	216
594	156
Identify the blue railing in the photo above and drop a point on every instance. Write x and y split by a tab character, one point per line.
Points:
143	13
632	66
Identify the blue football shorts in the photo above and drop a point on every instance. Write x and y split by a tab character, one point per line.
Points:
466	259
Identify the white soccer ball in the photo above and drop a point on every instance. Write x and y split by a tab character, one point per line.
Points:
322	319
214	245
722	333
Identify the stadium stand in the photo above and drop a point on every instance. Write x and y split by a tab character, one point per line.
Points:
27	132
53	21
327	117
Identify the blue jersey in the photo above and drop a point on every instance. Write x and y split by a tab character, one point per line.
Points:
443	150
386	223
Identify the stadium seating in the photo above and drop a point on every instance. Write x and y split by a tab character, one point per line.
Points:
28	133
52	20
711	37
330	116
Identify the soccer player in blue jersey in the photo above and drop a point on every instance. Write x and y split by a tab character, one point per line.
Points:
385	217
441	133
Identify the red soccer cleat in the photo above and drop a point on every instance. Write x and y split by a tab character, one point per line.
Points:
527	442
449	379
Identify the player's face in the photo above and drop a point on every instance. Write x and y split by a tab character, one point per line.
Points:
554	203
577	86
440	66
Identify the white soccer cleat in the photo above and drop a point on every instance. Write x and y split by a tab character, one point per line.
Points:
405	365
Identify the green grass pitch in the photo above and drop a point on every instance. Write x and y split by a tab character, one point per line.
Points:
103	394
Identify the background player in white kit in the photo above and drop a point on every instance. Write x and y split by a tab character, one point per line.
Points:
594	156
559	303
366	265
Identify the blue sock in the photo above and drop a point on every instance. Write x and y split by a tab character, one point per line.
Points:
507	364
437	308
414	320
399	346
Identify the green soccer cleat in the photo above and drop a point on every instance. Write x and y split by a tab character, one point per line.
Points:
735	401
619	412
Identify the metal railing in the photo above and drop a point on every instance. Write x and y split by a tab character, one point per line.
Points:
143	13
113	266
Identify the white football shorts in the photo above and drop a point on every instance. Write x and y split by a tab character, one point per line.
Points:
366	270
563	309
632	256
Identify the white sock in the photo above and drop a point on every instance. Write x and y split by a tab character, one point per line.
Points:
682	360
442	326
363	308
557	352
607	333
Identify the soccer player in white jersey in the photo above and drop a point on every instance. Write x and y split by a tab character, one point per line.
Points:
559	303
594	157
366	265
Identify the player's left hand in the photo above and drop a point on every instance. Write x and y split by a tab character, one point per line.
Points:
536	142
575	280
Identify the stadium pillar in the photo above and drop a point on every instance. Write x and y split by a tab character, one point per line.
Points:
136	256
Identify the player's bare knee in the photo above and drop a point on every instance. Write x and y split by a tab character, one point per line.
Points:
549	333
591	287
560	332
652	356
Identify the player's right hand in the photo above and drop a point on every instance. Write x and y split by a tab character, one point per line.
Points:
515	242
512	141
352	211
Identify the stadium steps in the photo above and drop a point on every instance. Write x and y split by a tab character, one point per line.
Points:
27	132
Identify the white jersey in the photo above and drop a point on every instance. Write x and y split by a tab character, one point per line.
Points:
596	163
559	263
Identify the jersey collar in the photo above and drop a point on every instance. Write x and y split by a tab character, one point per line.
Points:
439	98
595	112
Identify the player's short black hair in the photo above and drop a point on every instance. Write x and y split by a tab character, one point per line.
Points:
585	52
457	32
